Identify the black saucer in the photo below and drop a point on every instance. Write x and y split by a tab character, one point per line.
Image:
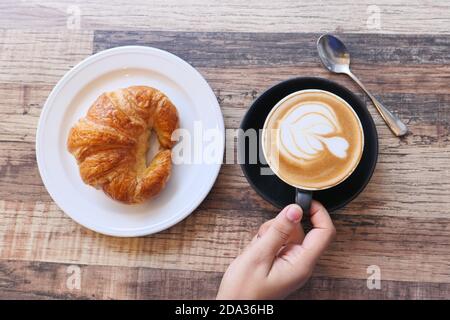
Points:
277	192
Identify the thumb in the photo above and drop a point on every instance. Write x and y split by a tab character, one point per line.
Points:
279	232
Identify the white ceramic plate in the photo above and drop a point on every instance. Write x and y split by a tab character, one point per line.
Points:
72	96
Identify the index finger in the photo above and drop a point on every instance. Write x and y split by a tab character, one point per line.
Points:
323	232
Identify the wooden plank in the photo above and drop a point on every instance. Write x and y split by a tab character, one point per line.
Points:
40	56
345	289
244	49
42	280
25	55
365	16
209	239
20	109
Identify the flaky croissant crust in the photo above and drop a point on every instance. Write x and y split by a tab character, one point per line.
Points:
111	142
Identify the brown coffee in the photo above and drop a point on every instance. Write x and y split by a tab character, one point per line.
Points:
313	139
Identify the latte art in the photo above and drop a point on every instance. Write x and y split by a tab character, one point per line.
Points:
312	139
311	129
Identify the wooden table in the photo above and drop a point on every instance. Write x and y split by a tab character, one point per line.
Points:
400	223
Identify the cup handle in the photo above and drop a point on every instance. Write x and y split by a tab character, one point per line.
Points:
303	198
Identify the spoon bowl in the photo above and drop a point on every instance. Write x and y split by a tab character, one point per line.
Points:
333	54
336	58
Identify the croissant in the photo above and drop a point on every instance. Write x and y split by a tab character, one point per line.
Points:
111	142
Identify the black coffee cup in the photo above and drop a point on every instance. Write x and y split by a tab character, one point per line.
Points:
278	192
303	195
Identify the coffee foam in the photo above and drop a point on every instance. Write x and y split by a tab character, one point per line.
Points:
310	129
313	139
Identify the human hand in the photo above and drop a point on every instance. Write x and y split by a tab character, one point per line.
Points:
280	258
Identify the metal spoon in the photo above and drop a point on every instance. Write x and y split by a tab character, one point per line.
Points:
336	58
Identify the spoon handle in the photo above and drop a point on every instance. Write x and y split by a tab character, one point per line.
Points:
393	122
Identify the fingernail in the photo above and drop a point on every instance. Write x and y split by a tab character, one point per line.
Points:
294	213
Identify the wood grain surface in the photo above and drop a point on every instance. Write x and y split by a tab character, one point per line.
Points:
396	16
401	222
